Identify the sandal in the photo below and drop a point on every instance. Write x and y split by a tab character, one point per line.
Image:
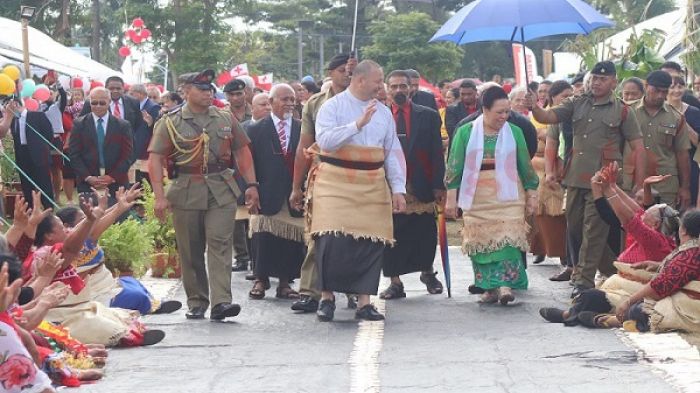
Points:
488	297
394	291
258	290
432	284
286	293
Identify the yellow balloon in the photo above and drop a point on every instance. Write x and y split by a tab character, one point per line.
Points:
7	85
12	71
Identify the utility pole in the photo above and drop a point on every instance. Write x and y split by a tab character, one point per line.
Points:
322	60
300	54
96	27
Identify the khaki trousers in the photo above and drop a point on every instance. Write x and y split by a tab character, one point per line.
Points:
308	282
208	230
587	227
240	241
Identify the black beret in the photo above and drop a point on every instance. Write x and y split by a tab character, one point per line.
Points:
604	68
234	85
337	61
578	78
660	79
202	80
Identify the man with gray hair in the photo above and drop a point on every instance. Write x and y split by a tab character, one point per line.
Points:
249	87
277	231
418	96
150	111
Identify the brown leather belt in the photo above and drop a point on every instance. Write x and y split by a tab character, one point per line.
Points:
211	169
488	166
362	166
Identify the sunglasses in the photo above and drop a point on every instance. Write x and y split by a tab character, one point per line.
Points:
98	103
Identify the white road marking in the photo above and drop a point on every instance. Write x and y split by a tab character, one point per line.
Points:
671	355
364	358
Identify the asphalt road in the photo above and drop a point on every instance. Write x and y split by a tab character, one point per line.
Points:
428	344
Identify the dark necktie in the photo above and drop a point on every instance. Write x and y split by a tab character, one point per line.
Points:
400	122
101	141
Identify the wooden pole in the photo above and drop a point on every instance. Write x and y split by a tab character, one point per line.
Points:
25	47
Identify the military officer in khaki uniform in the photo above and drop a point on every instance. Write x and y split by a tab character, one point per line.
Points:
666	141
602	123
204	143
339	69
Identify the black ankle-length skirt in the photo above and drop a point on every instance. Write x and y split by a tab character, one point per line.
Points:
349	265
416	241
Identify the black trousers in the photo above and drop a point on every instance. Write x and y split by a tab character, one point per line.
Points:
40	174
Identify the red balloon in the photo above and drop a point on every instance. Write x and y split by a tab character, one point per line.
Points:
124	51
77	83
137	22
145	33
94	84
137	39
31	104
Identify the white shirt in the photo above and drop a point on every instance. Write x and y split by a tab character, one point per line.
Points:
23	127
104	118
120	102
335	127
53	113
287	128
143	103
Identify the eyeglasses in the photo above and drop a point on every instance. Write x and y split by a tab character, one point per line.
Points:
98	103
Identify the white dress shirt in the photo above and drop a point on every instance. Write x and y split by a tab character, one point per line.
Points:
23	127
335	127
287	128
105	120
120	102
143	103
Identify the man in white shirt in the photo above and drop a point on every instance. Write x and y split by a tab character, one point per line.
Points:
362	175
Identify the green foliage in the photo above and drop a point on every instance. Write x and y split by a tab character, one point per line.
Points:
162	234
401	42
125	247
7	170
642	55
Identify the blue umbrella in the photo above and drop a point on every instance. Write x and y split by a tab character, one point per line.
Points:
519	21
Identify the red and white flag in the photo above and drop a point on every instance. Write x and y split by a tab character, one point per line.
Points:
240	69
264	81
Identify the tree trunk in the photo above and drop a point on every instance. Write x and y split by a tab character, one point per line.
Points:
96	27
62	31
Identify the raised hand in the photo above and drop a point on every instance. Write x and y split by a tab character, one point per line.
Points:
21	217
367	115
8	291
38	213
134	192
49	264
655	179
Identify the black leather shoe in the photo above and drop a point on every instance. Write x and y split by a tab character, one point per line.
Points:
168	307
250	276
196	313
577	291
240	266
369	313
152	337
326	311
306	304
538	259
224	310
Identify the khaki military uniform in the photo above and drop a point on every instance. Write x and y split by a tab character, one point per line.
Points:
202	196
665	134
308	282
598	136
240	232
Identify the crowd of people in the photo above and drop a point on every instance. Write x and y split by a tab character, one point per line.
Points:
336	182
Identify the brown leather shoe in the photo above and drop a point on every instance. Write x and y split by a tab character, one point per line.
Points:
564	275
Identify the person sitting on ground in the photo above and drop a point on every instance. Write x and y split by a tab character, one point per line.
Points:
647	296
653	232
90	263
89	321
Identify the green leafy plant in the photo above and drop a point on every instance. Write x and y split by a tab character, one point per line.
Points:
8	171
125	247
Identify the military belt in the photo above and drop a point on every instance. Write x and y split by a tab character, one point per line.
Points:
211	169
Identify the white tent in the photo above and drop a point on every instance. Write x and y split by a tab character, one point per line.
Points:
45	53
672	24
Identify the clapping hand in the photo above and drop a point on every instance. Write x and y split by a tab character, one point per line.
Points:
91	213
54	294
21	217
8	291
49	264
38	213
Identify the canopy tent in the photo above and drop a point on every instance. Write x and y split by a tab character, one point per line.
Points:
45	53
672	24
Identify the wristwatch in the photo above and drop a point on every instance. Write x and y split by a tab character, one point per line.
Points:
252	184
